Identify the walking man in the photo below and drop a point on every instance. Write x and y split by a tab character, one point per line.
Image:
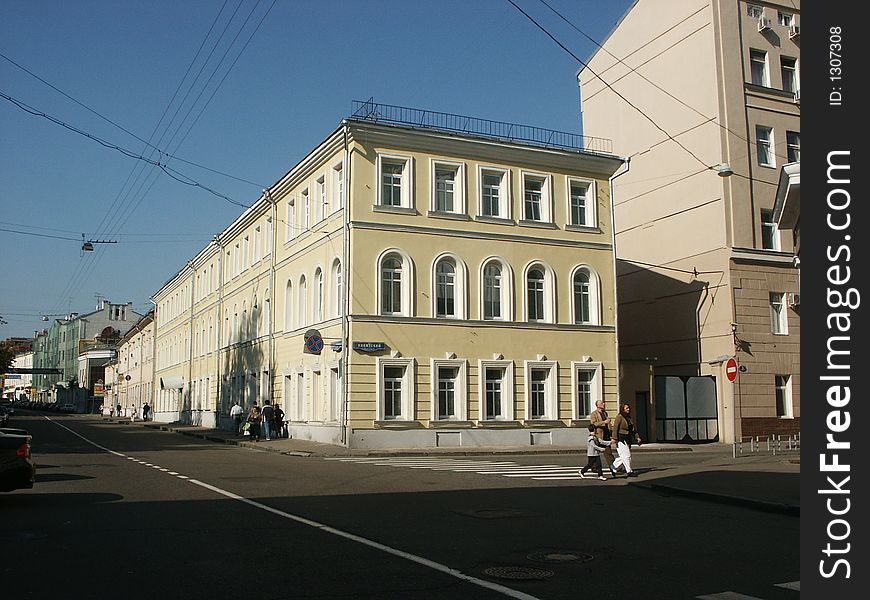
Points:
236	414
268	419
146	411
602	424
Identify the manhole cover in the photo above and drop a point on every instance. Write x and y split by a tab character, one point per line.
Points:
559	556
490	513
517	573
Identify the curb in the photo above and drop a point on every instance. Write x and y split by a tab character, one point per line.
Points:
775	507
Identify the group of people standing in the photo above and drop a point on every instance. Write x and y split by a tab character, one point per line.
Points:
267	421
606	433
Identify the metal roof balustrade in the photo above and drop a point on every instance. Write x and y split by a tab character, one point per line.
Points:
370	110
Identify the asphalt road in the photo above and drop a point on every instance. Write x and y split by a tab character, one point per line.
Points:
121	510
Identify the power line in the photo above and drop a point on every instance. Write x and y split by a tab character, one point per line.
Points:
124	129
624	99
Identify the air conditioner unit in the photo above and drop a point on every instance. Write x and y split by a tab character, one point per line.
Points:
794	31
764	23
794	299
797	97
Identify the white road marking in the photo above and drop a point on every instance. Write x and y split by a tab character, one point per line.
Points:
791	585
727	596
506	591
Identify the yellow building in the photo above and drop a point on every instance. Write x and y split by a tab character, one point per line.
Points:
407	285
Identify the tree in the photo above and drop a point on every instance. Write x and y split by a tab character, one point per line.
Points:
9	348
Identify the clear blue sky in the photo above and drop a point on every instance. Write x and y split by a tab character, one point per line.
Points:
297	67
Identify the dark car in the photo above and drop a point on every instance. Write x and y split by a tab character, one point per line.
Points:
17	470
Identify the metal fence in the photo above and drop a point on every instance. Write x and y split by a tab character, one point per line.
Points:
369	110
766	444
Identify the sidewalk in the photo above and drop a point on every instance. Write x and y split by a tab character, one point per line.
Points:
763	482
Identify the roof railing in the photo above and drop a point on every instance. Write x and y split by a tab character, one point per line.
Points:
370	110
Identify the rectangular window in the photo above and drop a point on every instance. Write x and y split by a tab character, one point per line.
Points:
788	68
784	19
580	207
258	244
758	67
391	182
491	195
533	193
538	393
769	233
320	204
764	145
793	146
778	316
585	402
445	183
337	187
754	11
392	400
303	211
783	396
447	380
494	382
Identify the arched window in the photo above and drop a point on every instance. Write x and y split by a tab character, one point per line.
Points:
318	296
540	304
255	318
535	295
492	290
226	327
336	300
445	288
243	326
288	306
585	296
303	302
235	332
266	326
391	286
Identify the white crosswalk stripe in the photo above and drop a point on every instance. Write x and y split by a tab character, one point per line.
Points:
791	585
502	468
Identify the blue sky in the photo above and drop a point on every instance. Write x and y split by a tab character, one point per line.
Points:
288	76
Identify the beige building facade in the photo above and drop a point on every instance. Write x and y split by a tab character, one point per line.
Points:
703	272
129	379
405	286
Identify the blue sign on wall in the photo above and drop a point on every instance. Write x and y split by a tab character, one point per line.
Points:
369	346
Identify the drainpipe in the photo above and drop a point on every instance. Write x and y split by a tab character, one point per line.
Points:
345	271
627	162
273	214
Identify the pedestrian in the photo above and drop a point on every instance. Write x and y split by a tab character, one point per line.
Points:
268	420
594	448
118	411
602	430
236	413
146	411
254	418
279	421
624	436
133	413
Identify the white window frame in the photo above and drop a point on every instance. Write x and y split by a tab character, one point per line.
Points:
507	289
778	318
289	303
785	19
302	302
793	69
787	396
290	220
773	228
549	292
460	398
552	389
768	143
546	196
320	201
594	295
409	388
337	191
597	387
408	278
318	297
504	197
460	306
458	168
766	74
507	389
591	204
336	280
407	184
303	211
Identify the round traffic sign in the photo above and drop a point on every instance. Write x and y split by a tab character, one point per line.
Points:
731	369
314	344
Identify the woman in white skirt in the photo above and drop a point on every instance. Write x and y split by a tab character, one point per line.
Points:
624	435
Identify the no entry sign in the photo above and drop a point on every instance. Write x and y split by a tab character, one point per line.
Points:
731	369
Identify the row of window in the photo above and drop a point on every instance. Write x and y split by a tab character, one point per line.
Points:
315	202
449	285
765	146
496	390
494	199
